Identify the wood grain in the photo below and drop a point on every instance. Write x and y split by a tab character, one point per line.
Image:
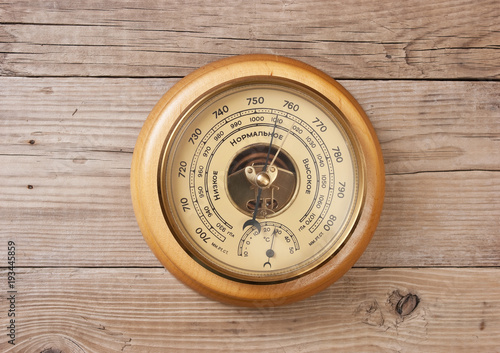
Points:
77	80
382	39
440	140
146	310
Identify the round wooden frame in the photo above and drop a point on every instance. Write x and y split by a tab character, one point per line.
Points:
148	155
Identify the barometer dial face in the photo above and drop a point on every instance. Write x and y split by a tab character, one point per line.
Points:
257	178
261	182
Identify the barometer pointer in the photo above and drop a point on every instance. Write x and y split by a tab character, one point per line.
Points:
253	221
281	146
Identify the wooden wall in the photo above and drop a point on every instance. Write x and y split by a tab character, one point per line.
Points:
77	80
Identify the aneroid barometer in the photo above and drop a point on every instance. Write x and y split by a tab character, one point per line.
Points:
257	180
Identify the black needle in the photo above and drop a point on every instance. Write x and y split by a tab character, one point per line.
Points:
270	251
253	221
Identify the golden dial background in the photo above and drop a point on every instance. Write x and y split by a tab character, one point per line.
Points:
202	196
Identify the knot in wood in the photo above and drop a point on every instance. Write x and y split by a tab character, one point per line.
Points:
407	304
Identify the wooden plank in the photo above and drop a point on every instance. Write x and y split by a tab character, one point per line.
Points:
438	219
429	219
382	39
138	310
433	126
440	141
422	126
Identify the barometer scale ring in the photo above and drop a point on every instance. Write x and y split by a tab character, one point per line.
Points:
257	180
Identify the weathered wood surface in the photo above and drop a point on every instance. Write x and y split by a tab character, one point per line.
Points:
145	310
77	80
366	39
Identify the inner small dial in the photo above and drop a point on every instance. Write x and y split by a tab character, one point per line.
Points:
261	182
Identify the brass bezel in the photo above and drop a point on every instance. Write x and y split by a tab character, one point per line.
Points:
338	118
